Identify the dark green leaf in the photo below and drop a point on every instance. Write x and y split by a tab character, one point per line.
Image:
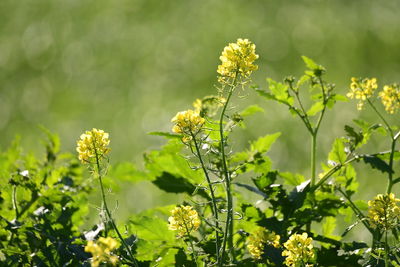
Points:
377	163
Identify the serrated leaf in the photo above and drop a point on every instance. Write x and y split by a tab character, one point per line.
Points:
303	79
377	163
292	178
265	180
309	63
263	144
280	91
315	108
173	184
328	227
266	94
337	154
250	110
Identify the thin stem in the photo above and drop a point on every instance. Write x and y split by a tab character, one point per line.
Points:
213	199
228	235
386	250
14	201
390	182
108	211
356	210
382	118
313	157
191	242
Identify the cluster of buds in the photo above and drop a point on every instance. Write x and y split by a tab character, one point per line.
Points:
298	250
102	251
237	60
384	212
184	220
259	239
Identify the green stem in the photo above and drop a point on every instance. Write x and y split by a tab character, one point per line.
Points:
313	157
213	199
228	235
391	171
14	201
382	118
386	250
356	211
108	211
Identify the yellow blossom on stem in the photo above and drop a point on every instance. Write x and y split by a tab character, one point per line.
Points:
188	123
102	251
260	238
298	250
237	59
384	212
93	144
184	219
390	96
362	90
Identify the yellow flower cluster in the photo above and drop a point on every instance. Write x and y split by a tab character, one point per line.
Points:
259	239
93	144
390	98
188	123
384	212
361	90
237	59
299	250
184	219
102	251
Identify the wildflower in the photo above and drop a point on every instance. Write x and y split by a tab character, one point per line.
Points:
390	98
299	250
362	90
93	145
384	212
237	59
188	123
184	219
102	251
260	238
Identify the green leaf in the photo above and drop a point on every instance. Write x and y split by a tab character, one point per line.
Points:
377	163
267	95
172	184
339	97
337	154
280	91
329	226
292	178
166	135
250	110
263	144
310	63
315	108
265	180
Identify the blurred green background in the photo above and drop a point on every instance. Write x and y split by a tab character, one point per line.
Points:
128	66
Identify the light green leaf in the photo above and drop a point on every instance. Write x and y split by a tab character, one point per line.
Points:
292	178
280	91
250	110
337	154
166	135
328	227
310	63
316	108
263	144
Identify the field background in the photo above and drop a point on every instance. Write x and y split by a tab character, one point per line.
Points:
128	66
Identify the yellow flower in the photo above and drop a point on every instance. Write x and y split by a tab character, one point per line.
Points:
101	251
361	90
390	98
237	59
299	250
184	219
259	239
384	212
188	123
93	145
